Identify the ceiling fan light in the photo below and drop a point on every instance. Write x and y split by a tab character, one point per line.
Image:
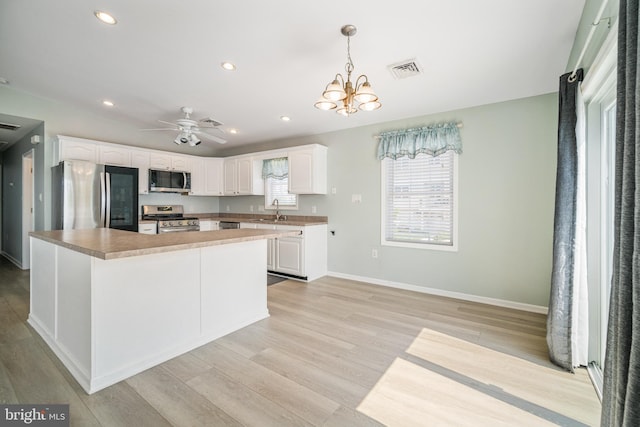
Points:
370	106
365	94
334	91
325	104
177	140
193	140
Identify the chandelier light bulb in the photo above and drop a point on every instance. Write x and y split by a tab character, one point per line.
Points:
334	91
370	106
324	104
365	94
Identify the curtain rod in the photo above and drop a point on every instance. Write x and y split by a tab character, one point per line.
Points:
458	125
594	25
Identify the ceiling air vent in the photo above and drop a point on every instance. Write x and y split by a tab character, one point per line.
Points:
211	122
404	69
9	126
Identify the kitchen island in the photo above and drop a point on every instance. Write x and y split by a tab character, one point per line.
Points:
113	303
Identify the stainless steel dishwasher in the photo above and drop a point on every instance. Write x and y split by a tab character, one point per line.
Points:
228	225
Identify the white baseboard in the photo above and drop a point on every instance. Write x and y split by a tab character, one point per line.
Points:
432	291
13	260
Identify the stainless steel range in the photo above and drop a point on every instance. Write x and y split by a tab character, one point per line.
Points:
170	218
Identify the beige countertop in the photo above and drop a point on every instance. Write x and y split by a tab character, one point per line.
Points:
298	220
107	243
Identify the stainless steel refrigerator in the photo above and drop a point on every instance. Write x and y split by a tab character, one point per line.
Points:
88	195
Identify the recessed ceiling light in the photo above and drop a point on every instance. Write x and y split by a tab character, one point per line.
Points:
229	66
233	131
107	103
285	118
105	17
3	81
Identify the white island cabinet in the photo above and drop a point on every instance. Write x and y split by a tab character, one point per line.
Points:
111	303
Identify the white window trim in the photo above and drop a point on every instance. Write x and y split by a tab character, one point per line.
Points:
423	246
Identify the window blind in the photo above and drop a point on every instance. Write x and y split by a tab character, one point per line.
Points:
279	189
419	199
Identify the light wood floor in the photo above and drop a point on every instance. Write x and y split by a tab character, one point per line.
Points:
333	353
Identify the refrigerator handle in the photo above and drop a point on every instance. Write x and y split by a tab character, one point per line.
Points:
107	210
103	199
184	180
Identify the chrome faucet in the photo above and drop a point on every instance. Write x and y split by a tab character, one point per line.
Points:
277	203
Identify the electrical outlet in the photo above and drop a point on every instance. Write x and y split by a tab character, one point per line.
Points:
314	209
374	253
333	190
228	208
356	198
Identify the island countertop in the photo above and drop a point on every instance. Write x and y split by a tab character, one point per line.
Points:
107	243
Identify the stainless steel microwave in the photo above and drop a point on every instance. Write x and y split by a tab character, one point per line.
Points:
163	181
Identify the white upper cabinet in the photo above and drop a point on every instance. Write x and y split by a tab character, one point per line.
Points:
140	160
196	167
308	170
230	178
165	161
206	176
214	179
243	176
233	176
69	148
114	155
180	163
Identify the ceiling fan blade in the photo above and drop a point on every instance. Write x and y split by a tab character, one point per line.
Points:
167	123
213	128
173	129
210	137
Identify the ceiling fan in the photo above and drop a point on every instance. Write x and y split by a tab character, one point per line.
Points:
190	130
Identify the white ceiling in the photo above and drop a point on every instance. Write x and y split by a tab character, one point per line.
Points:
163	55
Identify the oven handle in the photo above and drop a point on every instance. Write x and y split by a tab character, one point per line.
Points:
176	229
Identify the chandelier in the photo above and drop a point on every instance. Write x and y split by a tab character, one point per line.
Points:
347	97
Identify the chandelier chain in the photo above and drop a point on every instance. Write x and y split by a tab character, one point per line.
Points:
349	65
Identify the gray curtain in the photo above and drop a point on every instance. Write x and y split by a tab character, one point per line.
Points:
621	394
564	227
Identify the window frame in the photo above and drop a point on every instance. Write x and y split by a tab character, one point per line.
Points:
422	246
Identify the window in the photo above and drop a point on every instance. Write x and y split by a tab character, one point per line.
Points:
275	188
275	173
419	201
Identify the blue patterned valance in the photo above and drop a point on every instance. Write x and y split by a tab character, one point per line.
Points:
434	140
275	168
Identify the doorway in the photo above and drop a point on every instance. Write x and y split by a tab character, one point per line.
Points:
28	192
599	89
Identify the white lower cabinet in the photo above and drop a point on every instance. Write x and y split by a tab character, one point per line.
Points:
290	256
148	228
303	256
206	225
